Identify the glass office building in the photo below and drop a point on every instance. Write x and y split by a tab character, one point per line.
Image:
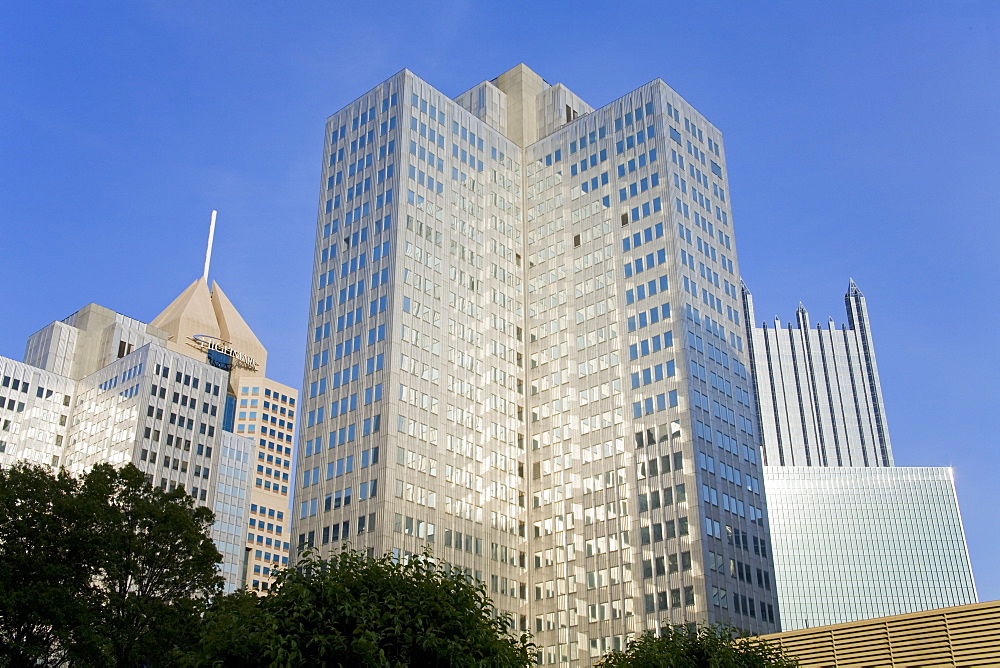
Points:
857	543
854	537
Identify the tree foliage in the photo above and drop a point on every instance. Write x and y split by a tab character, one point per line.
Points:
47	565
352	610
708	647
104	570
159	565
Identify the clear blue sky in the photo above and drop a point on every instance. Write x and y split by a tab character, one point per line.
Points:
863	140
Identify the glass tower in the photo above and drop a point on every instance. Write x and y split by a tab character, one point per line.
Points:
857	543
527	358
854	536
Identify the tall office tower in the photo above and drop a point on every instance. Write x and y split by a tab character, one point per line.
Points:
526	354
99	387
206	325
266	415
818	392
127	398
854	537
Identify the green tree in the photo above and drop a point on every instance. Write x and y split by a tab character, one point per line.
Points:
708	647
106	570
352	610
234	633
47	566
159	565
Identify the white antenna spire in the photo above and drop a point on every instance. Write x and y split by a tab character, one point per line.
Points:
208	251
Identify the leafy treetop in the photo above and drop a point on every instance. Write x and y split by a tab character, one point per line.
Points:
351	610
708	647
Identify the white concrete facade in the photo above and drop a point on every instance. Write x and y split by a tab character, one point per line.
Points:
35	407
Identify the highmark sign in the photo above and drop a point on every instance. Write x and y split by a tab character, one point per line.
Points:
208	343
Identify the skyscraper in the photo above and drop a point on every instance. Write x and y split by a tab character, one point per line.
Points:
205	324
106	389
818	390
854	536
526	355
100	387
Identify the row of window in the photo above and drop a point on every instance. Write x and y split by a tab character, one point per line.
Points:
671	563
337	498
671	495
17	406
654	404
340	467
651	345
659	602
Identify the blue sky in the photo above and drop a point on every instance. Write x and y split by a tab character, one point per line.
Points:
862	141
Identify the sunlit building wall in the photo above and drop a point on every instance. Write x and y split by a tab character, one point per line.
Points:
526	354
854	537
265	414
99	387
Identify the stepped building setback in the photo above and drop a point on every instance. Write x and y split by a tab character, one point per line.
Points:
526	354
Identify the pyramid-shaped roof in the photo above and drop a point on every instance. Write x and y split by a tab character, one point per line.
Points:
234	328
190	313
198	311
